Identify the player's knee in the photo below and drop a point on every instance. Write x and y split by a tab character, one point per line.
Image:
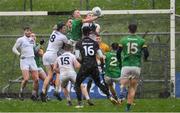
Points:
36	80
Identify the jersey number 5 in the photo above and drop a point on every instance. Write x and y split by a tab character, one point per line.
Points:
132	48
88	50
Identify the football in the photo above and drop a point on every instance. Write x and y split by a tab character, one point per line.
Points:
96	11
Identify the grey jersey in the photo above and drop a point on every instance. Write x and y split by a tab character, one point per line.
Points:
24	47
56	42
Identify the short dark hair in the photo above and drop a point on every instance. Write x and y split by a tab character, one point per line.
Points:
132	28
27	28
60	25
86	30
114	45
72	12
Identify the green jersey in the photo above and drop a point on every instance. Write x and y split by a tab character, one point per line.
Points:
131	52
76	29
112	68
68	34
38	58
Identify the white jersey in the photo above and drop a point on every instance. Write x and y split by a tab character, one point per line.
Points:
66	62
56	42
24	47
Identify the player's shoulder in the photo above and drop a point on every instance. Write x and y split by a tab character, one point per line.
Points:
77	20
123	39
20	38
140	38
91	40
53	32
107	53
70	54
79	43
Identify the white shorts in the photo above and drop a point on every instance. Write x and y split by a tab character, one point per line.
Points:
65	77
130	72
49	58
110	80
28	64
40	70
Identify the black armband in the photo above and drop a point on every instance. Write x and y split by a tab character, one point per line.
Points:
118	55
146	53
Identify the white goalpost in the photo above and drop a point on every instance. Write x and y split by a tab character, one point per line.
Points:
170	11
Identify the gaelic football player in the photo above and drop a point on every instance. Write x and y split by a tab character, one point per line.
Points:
131	48
56	42
24	48
112	69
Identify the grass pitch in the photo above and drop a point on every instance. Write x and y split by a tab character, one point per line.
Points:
101	105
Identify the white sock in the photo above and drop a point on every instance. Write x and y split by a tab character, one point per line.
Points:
21	89
34	93
68	98
57	89
44	90
87	97
122	87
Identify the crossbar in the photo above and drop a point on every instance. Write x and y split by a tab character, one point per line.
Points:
104	12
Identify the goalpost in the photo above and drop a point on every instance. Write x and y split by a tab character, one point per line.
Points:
170	11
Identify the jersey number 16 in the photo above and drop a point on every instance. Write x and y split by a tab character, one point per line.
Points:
88	50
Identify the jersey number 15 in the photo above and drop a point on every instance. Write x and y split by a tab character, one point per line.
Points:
132	48
65	60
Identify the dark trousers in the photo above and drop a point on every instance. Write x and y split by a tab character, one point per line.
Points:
93	72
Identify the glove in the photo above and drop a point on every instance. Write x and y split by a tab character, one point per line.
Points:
41	41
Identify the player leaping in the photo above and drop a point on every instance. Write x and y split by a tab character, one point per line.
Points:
56	42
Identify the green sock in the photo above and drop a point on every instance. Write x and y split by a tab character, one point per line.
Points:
128	106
